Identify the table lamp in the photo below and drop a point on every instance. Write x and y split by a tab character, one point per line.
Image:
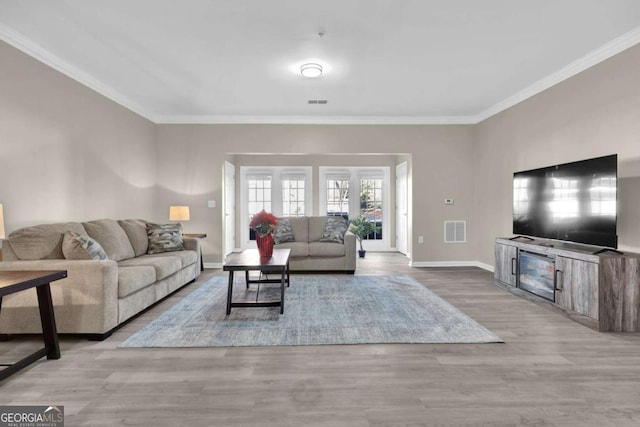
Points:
179	213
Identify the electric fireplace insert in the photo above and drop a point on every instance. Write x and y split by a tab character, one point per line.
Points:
536	274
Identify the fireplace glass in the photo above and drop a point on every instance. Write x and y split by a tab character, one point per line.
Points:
535	274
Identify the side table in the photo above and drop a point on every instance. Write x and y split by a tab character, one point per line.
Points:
197	236
16	281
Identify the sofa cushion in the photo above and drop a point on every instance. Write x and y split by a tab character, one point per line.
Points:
300	227
164	238
298	249
316	227
283	232
81	246
136	230
133	278
111	237
165	265
326	249
41	241
334	230
186	257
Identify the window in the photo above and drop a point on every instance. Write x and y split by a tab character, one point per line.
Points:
293	195
338	196
282	191
371	204
354	191
259	195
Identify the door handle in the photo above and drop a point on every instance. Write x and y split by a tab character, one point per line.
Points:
513	266
556	275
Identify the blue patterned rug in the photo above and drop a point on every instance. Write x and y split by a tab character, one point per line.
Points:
319	309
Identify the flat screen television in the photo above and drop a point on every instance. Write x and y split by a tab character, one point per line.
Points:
574	202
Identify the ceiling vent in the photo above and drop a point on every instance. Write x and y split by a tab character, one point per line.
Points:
317	101
455	231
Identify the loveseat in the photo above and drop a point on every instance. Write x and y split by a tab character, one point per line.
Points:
315	247
115	269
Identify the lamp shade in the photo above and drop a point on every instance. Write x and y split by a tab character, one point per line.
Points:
178	213
1	223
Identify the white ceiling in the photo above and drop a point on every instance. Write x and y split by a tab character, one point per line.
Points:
386	61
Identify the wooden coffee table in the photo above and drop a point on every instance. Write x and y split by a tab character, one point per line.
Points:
250	260
17	281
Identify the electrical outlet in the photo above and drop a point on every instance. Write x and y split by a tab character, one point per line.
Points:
448	201
211	203
420	239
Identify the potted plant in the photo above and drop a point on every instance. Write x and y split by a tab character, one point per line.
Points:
362	227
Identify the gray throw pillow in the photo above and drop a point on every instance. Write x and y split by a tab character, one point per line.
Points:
283	232
81	246
335	230
164	238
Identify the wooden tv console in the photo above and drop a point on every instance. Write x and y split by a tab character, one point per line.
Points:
600	290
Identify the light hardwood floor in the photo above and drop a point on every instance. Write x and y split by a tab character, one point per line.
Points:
549	372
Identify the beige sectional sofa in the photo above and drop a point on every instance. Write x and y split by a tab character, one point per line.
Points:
310	254
98	294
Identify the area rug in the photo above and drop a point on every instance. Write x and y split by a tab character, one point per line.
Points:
319	309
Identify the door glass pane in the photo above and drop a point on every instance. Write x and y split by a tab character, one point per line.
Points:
338	197
259	197
293	196
371	204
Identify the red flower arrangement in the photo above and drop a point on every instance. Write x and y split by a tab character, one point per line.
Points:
264	223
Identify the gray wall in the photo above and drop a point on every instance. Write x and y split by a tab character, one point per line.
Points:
66	152
592	114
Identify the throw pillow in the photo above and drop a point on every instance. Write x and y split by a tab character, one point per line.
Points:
111	237
335	230
283	232
164	238
81	246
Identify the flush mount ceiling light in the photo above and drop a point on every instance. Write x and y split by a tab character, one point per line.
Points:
311	70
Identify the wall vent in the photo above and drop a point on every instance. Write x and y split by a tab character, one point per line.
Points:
455	231
317	101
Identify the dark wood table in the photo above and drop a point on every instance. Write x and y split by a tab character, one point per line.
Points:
16	281
250	260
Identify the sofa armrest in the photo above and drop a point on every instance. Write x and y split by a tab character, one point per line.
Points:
191	244
350	251
86	301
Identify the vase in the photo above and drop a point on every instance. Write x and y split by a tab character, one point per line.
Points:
265	245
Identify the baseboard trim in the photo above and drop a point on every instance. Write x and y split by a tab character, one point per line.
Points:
452	264
478	264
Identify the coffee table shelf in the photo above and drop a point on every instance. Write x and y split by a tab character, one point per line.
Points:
250	260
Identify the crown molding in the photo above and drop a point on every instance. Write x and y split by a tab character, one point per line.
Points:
595	57
317	120
39	53
36	51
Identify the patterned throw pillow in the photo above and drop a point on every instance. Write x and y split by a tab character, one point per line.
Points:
81	246
335	230
164	238
283	232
